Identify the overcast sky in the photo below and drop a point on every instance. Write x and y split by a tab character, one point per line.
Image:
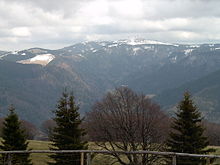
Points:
57	23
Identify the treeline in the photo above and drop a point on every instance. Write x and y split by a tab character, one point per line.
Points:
122	120
212	130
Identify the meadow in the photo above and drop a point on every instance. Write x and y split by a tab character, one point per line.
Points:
42	159
39	159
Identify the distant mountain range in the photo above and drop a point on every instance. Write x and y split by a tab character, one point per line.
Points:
34	79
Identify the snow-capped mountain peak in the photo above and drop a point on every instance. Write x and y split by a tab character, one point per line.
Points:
140	41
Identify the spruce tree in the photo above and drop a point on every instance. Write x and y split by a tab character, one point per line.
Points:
187	134
14	139
67	135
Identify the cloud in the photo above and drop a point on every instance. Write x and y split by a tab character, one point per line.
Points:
21	32
55	23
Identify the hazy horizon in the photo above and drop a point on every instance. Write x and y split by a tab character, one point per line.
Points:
57	48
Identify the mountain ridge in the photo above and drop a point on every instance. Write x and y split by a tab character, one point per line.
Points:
90	69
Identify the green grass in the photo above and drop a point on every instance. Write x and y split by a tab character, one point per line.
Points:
38	145
42	159
217	152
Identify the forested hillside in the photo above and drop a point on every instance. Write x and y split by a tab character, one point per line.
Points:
33	79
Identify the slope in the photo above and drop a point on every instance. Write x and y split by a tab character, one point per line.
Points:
34	90
206	92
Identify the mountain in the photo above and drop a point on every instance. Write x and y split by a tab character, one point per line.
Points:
34	79
205	91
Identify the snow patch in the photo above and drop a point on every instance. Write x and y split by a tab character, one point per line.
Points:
15	52
188	51
173	59
80	55
42	59
23	54
135	50
113	45
147	47
102	44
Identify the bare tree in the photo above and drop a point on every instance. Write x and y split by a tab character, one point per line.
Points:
124	120
212	131
30	130
47	126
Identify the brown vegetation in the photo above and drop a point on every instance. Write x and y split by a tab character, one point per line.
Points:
124	120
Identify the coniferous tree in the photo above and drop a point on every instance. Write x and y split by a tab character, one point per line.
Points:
67	134
187	135
14	139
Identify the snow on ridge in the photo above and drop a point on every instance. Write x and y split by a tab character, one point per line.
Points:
3	55
42	59
133	42
194	46
143	42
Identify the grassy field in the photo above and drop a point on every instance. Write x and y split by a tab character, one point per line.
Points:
42	159
217	152
39	159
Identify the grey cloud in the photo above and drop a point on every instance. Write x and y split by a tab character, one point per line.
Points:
164	9
56	23
67	7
